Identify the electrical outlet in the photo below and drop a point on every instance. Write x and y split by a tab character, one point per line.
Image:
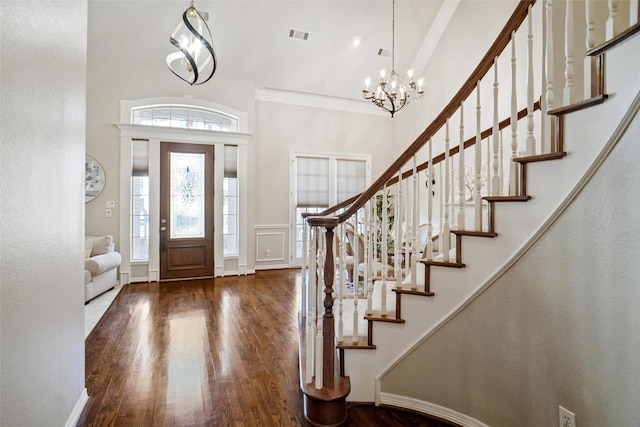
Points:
567	418
267	253
108	213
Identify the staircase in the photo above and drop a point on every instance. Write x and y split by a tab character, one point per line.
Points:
412	288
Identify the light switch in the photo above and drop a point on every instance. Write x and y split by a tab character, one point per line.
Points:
111	204
108	213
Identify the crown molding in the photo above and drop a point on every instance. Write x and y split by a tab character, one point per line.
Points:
302	99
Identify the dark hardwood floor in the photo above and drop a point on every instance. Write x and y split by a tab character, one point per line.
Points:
217	352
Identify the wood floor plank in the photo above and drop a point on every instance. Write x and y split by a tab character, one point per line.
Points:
212	352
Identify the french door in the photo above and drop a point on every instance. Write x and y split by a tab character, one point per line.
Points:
186	211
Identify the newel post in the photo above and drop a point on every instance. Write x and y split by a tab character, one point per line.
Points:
328	321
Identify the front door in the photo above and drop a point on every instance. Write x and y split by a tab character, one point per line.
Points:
186	211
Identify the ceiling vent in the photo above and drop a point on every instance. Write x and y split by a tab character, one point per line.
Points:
298	34
384	52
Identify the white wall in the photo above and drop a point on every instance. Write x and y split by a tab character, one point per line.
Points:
43	81
559	328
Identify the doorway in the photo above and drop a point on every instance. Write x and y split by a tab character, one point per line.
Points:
186	211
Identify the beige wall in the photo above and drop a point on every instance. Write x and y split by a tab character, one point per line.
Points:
277	129
286	128
558	328
43	84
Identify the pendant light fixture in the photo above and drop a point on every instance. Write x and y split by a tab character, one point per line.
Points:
195	62
392	93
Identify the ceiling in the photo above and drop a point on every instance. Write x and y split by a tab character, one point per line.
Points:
251	38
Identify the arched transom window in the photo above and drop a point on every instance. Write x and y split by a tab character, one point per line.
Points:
184	116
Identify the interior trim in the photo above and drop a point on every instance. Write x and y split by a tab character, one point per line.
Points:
429	408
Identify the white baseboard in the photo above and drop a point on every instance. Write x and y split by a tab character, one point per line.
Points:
428	408
272	267
77	409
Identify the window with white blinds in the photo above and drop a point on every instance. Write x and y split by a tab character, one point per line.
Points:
320	182
312	182
351	178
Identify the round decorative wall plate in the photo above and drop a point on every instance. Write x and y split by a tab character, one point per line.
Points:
94	179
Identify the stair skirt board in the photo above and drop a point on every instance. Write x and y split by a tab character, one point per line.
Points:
429	408
617	135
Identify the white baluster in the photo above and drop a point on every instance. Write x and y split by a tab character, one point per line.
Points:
397	252
590	89
614	24
513	166
501	163
531	141
478	164
319	374
305	271
367	279
342	280
356	279
495	177
549	63
370	247
311	308
446	230
452	191
569	95
401	210
415	223
385	242
461	172
430	191
488	171
441	202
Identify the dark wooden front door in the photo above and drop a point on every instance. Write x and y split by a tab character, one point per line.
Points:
186	211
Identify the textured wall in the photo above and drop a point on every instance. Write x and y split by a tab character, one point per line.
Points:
559	328
42	78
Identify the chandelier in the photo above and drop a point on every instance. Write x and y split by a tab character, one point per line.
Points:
195	61
392	93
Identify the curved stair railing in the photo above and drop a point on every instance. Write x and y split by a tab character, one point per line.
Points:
363	254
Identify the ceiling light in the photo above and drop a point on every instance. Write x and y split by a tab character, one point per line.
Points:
392	93
356	41
195	62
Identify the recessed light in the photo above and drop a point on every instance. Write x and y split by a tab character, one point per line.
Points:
356	41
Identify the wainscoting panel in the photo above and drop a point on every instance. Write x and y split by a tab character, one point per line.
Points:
271	246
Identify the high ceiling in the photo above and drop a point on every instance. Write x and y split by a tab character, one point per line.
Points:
251	38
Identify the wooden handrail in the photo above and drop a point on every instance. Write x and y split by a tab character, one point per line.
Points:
498	46
620	38
468	143
437	159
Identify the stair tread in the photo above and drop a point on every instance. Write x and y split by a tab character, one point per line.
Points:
379	277
541	157
443	263
361	344
507	198
475	233
580	105
412	291
379	316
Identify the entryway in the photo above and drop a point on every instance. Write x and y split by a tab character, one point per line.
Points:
186	210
